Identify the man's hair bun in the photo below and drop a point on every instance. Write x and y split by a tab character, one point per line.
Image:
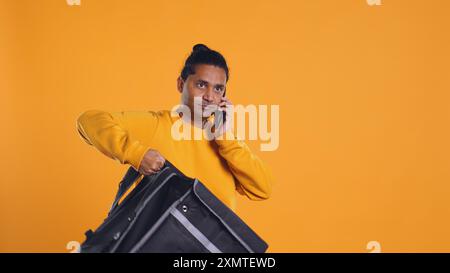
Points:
199	47
201	54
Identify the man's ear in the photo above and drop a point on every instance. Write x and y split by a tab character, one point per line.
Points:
180	84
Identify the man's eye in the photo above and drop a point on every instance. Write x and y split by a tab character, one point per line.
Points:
219	89
200	84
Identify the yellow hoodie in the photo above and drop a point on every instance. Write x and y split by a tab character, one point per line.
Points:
223	166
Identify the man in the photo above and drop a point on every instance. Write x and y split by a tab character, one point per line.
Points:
144	139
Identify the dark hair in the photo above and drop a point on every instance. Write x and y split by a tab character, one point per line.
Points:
201	54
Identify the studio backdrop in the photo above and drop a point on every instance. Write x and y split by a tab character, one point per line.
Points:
360	150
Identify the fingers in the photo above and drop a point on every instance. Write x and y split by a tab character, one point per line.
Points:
152	163
147	172
224	102
160	162
156	164
225	105
223	99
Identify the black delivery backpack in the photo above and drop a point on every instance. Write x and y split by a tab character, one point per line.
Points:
168	212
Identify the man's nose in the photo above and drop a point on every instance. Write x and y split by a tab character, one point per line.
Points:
208	95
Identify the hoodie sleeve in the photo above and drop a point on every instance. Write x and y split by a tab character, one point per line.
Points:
254	178
122	136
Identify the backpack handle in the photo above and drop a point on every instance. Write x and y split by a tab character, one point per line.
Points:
130	177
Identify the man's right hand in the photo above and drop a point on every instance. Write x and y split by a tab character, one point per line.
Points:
151	163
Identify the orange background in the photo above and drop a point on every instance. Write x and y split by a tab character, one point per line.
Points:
364	113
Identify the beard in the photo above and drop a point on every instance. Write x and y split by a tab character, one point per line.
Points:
202	109
208	110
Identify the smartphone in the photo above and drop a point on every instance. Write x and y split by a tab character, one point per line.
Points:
219	116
